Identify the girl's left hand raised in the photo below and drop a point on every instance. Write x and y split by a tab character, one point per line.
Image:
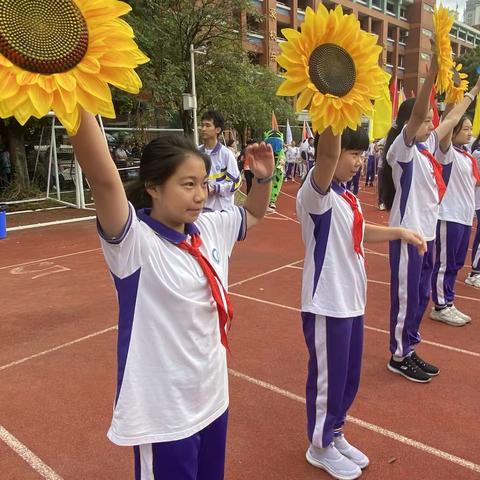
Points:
261	160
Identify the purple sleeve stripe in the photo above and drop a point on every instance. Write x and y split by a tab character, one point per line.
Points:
405	139
121	237
242	233
316	187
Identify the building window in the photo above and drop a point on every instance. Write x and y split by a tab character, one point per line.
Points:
254	24
462	35
255	58
303	4
428	8
425	57
422	81
389	58
403	12
401	61
391	8
391	33
378	4
403	36
427	33
470	39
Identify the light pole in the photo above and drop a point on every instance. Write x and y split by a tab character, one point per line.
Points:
203	51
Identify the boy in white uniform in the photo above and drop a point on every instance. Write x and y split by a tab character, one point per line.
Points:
224	179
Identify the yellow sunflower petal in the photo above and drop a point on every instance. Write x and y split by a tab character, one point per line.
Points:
304	99
288	88
40	99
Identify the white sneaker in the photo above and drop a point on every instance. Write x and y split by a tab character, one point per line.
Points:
466	318
473	280
382	207
333	462
349	451
448	316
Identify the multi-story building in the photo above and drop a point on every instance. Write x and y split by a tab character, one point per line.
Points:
404	29
472	12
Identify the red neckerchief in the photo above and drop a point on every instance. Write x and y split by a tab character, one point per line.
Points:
437	173
225	315
475	172
351	199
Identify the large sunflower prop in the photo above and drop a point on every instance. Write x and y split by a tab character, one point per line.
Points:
459	85
61	55
442	22
333	65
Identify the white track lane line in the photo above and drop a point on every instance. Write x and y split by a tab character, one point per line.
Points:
26	454
50	258
48	224
373	329
369	426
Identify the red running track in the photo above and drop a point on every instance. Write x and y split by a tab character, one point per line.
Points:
57	365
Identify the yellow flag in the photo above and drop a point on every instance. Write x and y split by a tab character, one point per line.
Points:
381	120
476	119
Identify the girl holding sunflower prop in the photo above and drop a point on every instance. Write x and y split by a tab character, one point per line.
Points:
455	218
413	190
333	229
332	65
61	55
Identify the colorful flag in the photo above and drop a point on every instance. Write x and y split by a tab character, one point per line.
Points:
394	97
274	122
476	119
433	104
309	131
288	135
401	97
304	131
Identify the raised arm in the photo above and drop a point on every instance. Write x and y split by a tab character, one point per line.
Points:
326	158
444	130
422	104
92	154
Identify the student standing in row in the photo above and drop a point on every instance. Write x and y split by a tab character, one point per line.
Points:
224	179
460	172
333	296
169	263
413	190
473	278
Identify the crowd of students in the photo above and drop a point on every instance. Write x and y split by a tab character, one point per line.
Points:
167	242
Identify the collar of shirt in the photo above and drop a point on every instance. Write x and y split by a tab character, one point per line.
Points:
337	187
215	150
166	232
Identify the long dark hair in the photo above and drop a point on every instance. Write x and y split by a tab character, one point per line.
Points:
351	139
459	126
404	113
159	162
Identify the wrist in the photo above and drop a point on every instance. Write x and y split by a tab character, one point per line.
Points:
264	180
471	95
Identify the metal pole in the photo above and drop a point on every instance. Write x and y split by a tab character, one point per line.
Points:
50	156
194	94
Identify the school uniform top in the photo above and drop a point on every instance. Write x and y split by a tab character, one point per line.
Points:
476	154
458	203
224	179
334	281
172	371
416	202
291	154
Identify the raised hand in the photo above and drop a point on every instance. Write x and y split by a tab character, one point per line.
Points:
261	160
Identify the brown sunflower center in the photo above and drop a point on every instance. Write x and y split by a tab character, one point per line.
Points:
332	69
43	36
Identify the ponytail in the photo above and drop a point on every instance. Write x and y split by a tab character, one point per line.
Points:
137	195
403	116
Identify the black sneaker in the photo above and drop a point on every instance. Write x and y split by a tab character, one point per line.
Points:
409	369
428	368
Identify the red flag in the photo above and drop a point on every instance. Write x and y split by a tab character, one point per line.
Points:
433	105
304	131
394	97
274	122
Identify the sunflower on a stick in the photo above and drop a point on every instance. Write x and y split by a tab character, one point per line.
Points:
442	22
333	66
61	55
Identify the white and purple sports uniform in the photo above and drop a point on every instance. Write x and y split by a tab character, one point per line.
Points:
224	178
415	206
476	240
333	304
172	387
454	224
